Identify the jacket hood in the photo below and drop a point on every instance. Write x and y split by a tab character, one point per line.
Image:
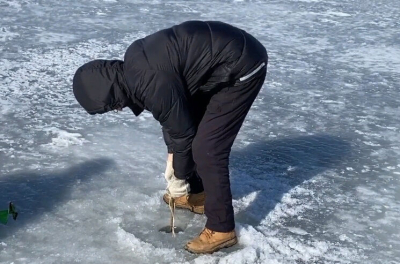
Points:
99	86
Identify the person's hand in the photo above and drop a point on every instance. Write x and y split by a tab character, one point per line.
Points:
169	171
175	187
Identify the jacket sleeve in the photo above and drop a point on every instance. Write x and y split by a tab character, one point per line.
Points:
169	105
168	141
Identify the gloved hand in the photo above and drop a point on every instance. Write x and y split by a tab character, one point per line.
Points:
175	187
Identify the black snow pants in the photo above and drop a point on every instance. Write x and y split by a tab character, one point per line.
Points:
218	127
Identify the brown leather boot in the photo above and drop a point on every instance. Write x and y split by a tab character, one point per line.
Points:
210	241
193	202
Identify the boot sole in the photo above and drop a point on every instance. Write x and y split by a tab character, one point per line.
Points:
193	210
226	244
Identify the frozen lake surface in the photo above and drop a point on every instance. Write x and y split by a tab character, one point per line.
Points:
315	169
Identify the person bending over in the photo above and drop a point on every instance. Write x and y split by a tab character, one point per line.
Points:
199	80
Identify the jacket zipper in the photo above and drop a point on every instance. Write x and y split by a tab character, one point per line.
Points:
244	78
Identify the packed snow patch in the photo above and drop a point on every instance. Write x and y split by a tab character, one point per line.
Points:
64	138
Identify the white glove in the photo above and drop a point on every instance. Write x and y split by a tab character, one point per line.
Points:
175	187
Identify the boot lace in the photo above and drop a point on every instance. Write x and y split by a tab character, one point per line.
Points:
207	233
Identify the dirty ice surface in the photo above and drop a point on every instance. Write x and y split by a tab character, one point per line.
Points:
315	169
